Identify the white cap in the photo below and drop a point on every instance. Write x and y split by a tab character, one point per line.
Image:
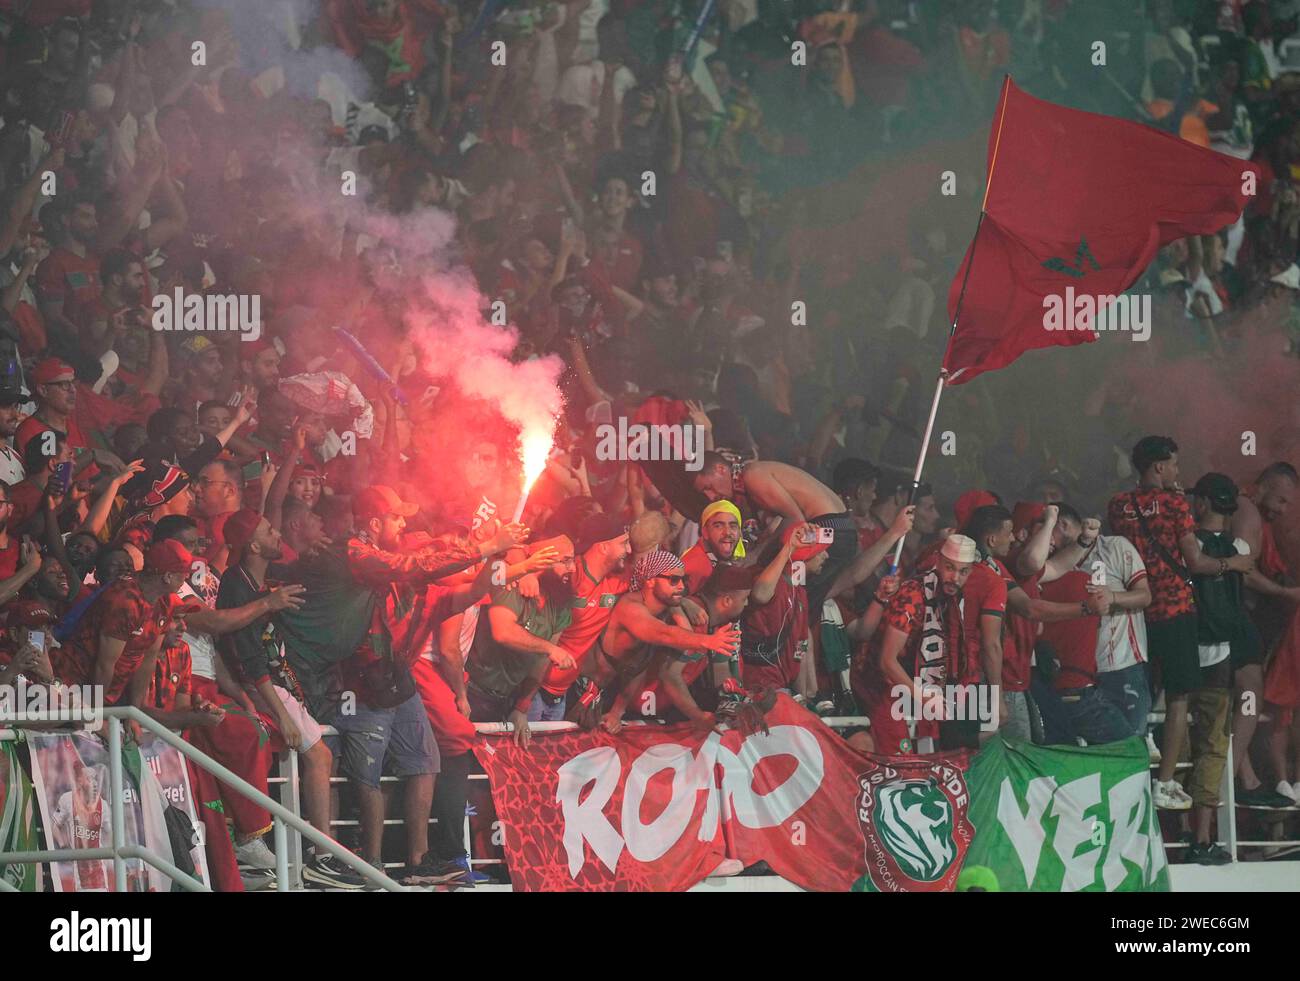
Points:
959	548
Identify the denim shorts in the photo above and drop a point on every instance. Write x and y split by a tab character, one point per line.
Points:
400	737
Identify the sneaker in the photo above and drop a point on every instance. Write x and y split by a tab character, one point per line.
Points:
1261	796
257	880
253	854
846	705
1284	789
728	866
431	872
1153	751
328	872
473	878
1211	853
1169	796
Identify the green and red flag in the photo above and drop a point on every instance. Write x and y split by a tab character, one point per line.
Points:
1076	210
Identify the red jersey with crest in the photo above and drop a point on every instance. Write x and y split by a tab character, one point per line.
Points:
590	613
122	613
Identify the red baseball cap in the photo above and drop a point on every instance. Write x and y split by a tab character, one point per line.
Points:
240	527
49	370
168	556
178	606
804	552
378	500
28	613
968	502
1025	513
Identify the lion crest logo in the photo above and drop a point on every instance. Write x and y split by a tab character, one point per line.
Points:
913	817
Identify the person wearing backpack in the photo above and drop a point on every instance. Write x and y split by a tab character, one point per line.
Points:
1157	519
1222	631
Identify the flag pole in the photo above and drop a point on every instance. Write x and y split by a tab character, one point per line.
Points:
952	328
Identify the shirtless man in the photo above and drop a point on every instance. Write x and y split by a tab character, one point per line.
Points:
788	493
1272	602
621	655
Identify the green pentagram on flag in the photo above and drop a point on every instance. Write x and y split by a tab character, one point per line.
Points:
1076	270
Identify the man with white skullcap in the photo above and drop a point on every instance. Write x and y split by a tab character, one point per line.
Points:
923	642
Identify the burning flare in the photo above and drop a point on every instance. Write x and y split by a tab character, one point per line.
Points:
534	448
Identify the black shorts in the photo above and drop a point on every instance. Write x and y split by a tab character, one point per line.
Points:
1173	646
1248	647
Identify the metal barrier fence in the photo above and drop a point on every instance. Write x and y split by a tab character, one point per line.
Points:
283	818
290	827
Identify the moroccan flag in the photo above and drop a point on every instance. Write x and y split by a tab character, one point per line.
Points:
1076	208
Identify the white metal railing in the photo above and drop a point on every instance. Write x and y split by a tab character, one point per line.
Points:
287	813
282	817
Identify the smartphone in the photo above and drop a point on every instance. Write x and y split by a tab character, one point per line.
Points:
825	536
62	477
36	638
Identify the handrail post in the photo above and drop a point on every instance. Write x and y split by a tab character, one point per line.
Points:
281	857
115	804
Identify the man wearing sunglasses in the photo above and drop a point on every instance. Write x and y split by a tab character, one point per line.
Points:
616	665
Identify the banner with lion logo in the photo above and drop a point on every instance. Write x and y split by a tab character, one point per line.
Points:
660	807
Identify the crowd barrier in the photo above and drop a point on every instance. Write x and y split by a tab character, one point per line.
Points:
290	827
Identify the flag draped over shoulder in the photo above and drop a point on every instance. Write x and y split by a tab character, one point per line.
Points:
1077	206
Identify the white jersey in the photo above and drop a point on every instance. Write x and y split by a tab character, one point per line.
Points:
1122	636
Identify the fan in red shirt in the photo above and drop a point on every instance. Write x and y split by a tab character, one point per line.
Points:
720	540
600	578
923	645
121	635
1083	709
1158	520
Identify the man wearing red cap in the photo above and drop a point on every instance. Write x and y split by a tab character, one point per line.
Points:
120	636
65	405
24	646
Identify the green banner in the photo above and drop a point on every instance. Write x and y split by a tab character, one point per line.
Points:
17	821
1061	819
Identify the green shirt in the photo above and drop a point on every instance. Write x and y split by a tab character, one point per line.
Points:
499	670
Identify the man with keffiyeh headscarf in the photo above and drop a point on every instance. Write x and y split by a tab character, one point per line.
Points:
618	661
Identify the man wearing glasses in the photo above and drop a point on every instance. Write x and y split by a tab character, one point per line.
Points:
219	495
616	665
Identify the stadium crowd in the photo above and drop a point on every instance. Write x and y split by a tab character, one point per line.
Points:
717	215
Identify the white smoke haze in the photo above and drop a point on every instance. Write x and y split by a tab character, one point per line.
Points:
441	307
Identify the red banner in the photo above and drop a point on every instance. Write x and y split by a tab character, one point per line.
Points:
660	808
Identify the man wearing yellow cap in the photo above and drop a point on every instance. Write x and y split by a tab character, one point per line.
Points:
720	540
